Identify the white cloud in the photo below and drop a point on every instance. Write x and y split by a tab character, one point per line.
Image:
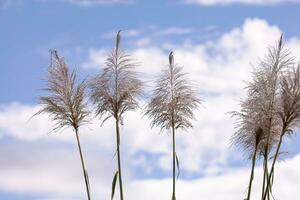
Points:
55	174
212	63
219	67
15	121
151	29
96	58
52	170
230	185
226	2
143	41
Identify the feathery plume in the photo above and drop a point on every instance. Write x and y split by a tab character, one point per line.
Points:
115	91
66	102
172	104
259	111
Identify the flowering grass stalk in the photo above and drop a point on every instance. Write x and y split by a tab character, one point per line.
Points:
115	92
172	105
66	103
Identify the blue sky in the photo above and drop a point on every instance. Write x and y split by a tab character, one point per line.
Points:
41	25
216	42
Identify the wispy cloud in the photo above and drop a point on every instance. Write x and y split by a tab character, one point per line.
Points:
125	33
154	31
8	3
249	2
175	31
95	2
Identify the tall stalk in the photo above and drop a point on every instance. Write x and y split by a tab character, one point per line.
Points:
66	102
116	114
174	160
278	64
260	108
83	166
289	112
252	174
264	179
266	152
114	92
268	186
119	159
265	175
171	106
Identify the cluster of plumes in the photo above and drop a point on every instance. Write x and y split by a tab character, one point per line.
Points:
173	100
270	111
259	123
271	108
114	91
66	103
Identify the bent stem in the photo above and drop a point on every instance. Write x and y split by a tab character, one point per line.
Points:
119	159
83	166
252	173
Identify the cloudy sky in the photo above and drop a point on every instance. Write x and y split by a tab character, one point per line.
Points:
217	41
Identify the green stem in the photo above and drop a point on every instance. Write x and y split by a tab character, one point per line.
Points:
264	180
265	176
83	165
119	159
267	189
174	155
273	164
252	173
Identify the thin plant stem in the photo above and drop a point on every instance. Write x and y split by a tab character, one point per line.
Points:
266	157
264	177
114	92
66	104
174	155
273	163
173	127
119	159
83	165
172	106
117	118
252	173
267	189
